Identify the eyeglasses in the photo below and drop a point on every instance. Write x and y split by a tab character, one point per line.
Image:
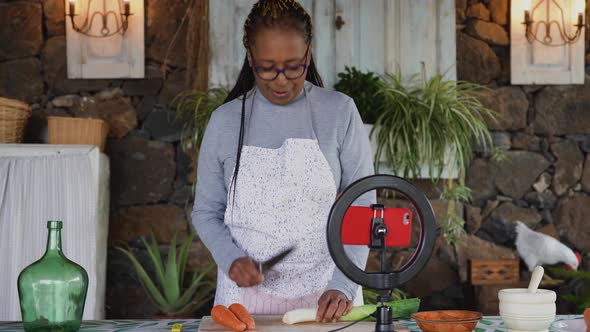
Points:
271	73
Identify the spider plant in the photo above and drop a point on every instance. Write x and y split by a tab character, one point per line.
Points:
431	122
195	108
168	289
422	121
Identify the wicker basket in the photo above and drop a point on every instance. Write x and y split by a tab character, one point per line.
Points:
64	130
13	119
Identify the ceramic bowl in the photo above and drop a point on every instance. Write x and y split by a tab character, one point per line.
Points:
447	320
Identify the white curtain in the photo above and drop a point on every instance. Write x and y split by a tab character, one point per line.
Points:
36	189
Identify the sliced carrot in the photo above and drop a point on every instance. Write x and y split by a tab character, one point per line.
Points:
225	317
242	313
587	319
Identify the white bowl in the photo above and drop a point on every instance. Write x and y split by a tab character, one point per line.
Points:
521	310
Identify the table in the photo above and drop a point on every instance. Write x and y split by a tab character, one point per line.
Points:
486	324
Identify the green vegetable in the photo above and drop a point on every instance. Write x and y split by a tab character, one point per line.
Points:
401	309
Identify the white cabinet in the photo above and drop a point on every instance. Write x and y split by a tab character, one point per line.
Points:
53	182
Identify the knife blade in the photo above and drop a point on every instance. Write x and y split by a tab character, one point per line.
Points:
264	267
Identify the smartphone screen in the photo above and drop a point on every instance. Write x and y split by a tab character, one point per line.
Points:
357	222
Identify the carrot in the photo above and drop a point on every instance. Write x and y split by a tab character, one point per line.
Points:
242	313
587	319
223	316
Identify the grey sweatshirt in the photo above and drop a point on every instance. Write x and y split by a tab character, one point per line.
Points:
342	139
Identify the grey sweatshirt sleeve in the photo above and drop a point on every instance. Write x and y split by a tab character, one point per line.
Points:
210	200
356	160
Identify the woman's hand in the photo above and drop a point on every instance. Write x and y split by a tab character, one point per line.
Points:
332	305
244	272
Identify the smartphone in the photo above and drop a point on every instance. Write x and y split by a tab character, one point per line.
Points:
356	226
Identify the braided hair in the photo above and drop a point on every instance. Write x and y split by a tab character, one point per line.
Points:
269	14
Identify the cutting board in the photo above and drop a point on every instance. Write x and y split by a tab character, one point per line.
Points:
275	324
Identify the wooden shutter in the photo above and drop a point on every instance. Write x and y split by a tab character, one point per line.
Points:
377	35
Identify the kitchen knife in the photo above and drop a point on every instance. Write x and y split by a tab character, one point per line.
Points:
264	267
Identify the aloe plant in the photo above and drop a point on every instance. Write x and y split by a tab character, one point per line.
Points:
168	290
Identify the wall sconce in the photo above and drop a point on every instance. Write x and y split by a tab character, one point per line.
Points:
121	19
532	26
105	38
548	47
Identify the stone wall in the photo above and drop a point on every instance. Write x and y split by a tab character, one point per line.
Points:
544	130
151	177
544	180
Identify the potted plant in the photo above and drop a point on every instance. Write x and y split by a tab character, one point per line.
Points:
424	128
362	87
577	282
426	125
423	121
175	296
195	108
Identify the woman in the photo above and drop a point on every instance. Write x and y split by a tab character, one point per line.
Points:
272	160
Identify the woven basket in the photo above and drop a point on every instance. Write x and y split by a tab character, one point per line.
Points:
64	130
13	119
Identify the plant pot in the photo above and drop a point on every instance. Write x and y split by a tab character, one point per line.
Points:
450	171
172	316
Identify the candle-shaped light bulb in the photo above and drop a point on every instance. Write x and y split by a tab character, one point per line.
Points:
578	8
526	5
72	7
127	10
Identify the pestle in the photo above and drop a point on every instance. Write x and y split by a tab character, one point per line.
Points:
536	279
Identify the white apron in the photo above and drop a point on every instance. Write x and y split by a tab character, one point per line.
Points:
283	198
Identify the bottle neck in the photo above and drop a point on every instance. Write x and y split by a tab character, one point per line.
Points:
54	241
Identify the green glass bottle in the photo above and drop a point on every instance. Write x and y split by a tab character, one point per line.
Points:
52	290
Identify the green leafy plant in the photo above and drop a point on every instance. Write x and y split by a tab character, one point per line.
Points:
423	121
453	226
401	309
432	122
579	281
168	289
362	88
195	108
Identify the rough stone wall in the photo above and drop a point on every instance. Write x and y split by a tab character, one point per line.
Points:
151	177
